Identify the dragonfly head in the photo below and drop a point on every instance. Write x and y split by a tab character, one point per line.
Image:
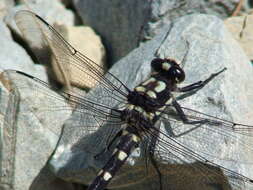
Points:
168	68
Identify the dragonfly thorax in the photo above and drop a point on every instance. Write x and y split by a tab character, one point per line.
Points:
156	91
143	100
136	116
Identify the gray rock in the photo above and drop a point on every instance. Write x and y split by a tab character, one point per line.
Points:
88	43
120	26
30	132
52	11
8	134
228	96
5	5
25	144
13	56
37	131
126	23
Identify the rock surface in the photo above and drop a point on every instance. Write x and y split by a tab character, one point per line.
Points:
127	23
34	133
13	56
89	44
229	96
241	29
26	145
29	143
5	5
82	39
51	11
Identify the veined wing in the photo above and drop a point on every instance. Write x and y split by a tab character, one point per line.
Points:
222	125
34	91
193	152
49	45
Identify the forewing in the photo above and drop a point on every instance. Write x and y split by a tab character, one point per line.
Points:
189	145
215	123
46	102
49	45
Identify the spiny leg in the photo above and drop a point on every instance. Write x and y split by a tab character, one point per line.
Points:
183	117
195	86
107	148
200	84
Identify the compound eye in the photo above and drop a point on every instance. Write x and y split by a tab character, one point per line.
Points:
176	74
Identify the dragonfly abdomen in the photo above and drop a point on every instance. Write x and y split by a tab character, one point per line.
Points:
122	151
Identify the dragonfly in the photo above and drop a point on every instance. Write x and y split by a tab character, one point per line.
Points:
135	123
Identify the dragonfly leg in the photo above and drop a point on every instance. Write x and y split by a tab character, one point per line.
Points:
200	84
184	118
107	148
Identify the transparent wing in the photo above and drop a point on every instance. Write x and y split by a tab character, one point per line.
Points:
8	104
49	45
191	146
182	165
177	148
214	124
185	156
45	102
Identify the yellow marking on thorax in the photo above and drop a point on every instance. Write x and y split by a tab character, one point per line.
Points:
139	109
151	94
140	89
130	106
169	101
161	86
152	79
